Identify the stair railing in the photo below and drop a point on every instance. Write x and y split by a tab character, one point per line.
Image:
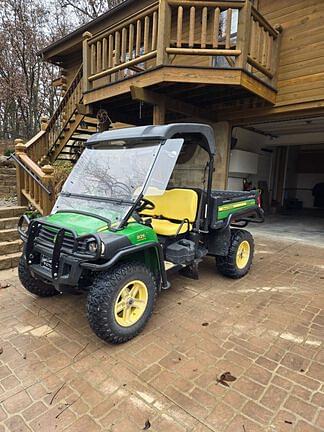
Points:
65	110
39	146
35	185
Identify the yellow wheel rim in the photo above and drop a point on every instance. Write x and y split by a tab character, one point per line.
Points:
243	254
131	303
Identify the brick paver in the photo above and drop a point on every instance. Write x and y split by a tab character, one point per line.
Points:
266	329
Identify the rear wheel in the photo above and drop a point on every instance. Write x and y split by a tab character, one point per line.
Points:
239	259
34	286
121	302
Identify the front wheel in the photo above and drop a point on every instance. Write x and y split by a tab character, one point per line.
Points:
121	302
240	255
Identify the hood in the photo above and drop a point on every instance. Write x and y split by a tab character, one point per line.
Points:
81	224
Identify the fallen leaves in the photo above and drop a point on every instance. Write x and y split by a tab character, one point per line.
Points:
56	393
147	425
225	378
1	350
4	285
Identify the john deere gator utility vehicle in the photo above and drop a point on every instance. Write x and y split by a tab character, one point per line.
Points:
138	204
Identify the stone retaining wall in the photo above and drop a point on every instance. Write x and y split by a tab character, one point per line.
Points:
5	144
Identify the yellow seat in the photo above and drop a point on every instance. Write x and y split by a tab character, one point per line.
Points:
168	228
171	209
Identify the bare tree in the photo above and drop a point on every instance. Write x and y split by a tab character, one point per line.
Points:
25	81
86	10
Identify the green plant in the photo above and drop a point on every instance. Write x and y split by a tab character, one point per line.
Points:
8	152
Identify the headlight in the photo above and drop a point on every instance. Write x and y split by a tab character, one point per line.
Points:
92	247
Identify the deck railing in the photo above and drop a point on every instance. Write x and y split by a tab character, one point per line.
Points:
222	34
122	50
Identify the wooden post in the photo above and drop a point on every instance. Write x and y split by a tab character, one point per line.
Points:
164	32
244	35
48	181
86	61
223	147
276	55
20	175
159	112
43	123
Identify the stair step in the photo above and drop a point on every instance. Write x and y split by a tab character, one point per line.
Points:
8	223
10	247
8	235
78	138
90	120
7	212
9	261
7	190
8	171
7	179
86	131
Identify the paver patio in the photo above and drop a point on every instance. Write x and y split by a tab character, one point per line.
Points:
267	330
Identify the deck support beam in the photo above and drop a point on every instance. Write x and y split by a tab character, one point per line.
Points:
223	135
175	105
159	113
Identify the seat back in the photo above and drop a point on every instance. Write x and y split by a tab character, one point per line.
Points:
177	204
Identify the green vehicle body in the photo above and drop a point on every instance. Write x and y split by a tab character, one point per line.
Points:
89	233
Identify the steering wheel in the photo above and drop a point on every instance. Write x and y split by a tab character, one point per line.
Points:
145	204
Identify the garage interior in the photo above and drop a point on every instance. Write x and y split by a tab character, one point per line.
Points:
284	159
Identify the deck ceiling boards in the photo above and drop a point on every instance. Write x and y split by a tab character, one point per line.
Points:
123	108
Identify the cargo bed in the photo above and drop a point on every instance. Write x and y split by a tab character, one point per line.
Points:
230	207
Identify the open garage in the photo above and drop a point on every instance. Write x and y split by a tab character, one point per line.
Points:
284	159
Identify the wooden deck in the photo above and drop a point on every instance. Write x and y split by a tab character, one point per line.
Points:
184	42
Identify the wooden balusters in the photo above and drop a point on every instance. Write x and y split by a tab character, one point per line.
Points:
192	24
138	38
261	52
228	29
154	31
123	45
146	35
233	30
204	24
34	185
179	26
99	56
131	41
104	53
216	27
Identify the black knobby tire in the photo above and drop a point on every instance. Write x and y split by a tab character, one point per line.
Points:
103	296
33	285
227	265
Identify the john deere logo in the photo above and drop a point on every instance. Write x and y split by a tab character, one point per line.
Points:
141	237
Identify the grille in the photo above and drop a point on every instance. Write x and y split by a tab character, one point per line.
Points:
47	236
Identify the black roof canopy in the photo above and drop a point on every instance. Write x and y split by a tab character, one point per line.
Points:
176	130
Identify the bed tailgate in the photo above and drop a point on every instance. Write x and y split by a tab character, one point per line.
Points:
233	206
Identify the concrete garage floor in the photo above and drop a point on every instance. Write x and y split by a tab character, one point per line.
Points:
307	227
266	329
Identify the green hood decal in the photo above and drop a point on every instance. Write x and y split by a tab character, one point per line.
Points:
81	224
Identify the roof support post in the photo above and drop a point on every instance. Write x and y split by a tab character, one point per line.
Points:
159	112
223	134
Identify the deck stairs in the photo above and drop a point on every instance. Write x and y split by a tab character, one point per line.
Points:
10	244
60	139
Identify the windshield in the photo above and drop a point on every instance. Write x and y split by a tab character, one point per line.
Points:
108	179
